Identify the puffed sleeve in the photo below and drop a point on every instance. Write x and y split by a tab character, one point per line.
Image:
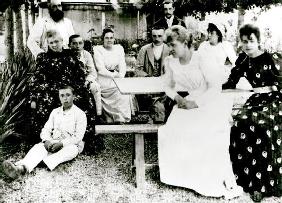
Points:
210	71
230	52
168	80
236	73
99	62
122	64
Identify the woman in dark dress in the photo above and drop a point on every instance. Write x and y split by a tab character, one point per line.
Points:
256	147
55	68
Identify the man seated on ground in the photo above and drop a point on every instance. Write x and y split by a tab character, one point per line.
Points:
61	138
150	63
76	44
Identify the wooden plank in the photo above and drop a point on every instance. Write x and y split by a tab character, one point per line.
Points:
154	85
141	85
127	128
139	160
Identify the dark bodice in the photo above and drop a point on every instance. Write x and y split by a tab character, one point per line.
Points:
259	71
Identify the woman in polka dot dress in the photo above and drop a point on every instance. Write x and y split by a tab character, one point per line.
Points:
255	143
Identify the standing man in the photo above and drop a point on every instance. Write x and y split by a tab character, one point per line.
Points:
169	18
37	41
61	138
150	63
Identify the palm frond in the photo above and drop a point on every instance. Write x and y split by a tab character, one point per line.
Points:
13	90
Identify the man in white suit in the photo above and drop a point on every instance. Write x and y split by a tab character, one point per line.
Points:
37	41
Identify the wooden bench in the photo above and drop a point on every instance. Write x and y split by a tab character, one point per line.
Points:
138	130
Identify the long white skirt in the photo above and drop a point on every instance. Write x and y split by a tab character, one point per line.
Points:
116	107
193	148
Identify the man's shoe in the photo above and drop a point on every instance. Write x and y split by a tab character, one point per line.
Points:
12	170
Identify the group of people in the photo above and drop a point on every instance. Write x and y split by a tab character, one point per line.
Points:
200	146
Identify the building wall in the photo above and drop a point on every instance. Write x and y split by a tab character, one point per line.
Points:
89	19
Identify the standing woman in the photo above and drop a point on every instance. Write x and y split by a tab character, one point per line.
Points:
110	63
193	144
256	148
221	50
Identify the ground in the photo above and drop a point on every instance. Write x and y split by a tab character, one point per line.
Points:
102	178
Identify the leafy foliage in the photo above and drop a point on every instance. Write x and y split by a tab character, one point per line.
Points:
13	91
196	7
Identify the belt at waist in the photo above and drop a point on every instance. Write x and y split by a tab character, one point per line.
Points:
260	90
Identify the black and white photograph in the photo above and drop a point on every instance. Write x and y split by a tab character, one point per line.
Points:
140	101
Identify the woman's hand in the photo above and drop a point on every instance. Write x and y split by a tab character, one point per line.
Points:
33	105
185	104
116	74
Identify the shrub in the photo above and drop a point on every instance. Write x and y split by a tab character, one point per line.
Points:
14	80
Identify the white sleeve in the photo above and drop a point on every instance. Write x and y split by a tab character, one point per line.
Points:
210	71
35	37
122	64
48	128
230	52
92	73
99	62
168	80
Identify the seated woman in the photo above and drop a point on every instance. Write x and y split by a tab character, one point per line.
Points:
110	63
256	148
55	68
193	144
221	50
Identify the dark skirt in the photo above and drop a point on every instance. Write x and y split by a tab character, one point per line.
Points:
256	144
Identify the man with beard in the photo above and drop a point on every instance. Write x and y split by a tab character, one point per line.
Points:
37	42
169	18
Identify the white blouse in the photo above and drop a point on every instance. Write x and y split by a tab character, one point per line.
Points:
220	52
199	77
109	61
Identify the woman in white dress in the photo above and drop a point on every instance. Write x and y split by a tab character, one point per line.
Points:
193	144
109	60
219	49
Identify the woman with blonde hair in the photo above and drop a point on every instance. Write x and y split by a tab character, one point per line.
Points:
193	144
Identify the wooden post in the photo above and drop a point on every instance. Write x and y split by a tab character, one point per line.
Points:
9	38
103	20
32	9
19	29
139	160
26	21
138	25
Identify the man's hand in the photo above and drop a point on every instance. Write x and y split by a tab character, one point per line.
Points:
48	145
56	147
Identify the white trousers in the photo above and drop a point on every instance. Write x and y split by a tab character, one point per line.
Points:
38	153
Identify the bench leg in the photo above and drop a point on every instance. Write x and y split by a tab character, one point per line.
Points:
139	160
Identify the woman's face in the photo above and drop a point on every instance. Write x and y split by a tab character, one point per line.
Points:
250	44
109	40
177	48
213	37
55	43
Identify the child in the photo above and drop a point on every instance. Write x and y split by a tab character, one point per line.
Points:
76	44
61	138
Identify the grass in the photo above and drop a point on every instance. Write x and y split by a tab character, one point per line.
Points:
102	178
